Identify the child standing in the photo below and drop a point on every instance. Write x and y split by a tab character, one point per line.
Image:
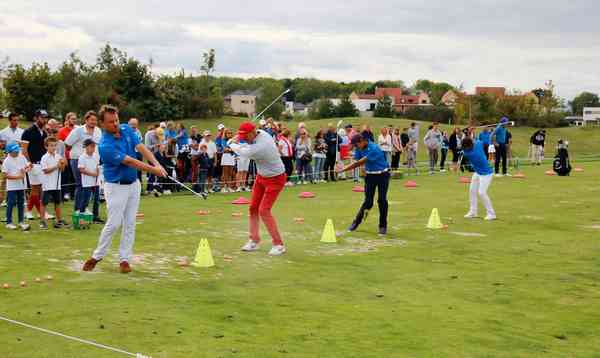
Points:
52	165
204	166
89	166
492	153
15	166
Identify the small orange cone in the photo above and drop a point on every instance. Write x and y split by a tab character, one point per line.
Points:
410	184
464	180
519	176
550	173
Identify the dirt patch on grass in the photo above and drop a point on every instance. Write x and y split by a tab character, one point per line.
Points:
592	227
351	245
532	217
468	234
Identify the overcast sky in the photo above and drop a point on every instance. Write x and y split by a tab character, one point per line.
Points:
512	43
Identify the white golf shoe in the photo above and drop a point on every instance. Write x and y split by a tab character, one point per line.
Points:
277	250
29	215
490	217
250	246
470	215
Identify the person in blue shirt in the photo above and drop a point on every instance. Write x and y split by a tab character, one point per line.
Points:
486	138
481	180
501	142
377	178
118	148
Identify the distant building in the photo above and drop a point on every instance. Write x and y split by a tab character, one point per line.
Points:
242	102
591	116
497	92
364	102
296	108
403	102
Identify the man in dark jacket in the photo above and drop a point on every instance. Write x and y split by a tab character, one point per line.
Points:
333	140
538	140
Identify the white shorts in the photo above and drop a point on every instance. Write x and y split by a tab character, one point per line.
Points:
35	175
243	164
228	159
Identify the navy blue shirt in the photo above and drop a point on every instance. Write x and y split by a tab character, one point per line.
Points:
113	151
376	161
478	159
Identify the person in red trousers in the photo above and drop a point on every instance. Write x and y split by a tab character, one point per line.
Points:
260	146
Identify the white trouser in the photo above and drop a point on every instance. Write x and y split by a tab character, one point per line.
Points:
538	153
122	202
479	186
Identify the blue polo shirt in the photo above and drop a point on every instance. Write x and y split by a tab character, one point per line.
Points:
485	137
478	159
113	151
376	161
500	134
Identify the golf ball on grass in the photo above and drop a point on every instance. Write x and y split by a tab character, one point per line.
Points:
23	284
49	277
5	286
38	280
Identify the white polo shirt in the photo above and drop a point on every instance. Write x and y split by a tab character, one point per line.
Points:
11	135
50	181
12	166
90	164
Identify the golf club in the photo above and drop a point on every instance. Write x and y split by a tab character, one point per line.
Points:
270	105
508	124
201	195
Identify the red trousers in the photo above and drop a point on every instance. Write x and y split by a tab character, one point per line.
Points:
264	194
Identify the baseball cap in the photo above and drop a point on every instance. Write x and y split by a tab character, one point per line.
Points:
357	138
41	113
206	132
221	126
245	128
12	147
504	120
88	142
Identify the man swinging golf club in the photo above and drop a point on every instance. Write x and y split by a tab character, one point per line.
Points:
259	146
377	169
481	180
117	149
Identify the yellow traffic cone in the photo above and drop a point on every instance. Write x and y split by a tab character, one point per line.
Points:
434	220
329	233
204	256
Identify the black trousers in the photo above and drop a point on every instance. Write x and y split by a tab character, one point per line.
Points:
443	160
500	156
381	183
288	162
396	160
330	167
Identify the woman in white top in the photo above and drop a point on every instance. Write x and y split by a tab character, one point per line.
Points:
228	165
385	143
304	157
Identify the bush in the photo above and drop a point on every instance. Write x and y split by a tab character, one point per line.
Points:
440	114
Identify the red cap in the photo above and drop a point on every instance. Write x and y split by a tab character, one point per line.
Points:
245	128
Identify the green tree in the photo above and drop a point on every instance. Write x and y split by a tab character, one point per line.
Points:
584	99
384	108
438	90
208	66
30	89
346	108
268	92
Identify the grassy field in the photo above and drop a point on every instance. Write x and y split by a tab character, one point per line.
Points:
526	285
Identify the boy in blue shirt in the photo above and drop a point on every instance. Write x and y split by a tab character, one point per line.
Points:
377	177
481	180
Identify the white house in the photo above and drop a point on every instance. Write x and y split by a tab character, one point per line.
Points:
591	116
296	108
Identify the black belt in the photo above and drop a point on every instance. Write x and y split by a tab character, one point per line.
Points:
123	182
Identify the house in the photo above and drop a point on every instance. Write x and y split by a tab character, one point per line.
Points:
497	92
404	102
296	108
450	98
364	102
591	116
242	102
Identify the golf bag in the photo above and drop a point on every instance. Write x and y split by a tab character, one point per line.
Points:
561	164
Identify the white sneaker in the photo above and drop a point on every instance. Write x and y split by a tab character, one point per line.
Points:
250	246
11	226
24	227
3	204
470	216
49	216
87	212
167	192
507	175
67	197
277	250
498	175
239	190
28	215
490	217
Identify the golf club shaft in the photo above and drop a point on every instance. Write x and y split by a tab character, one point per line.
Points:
271	105
186	187
510	124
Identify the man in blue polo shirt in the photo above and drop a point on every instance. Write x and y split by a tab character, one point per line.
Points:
377	177
501	141
118	149
481	180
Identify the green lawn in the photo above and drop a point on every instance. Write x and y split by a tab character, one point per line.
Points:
527	285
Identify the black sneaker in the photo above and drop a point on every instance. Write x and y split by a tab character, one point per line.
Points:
353	227
97	221
43	225
382	231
